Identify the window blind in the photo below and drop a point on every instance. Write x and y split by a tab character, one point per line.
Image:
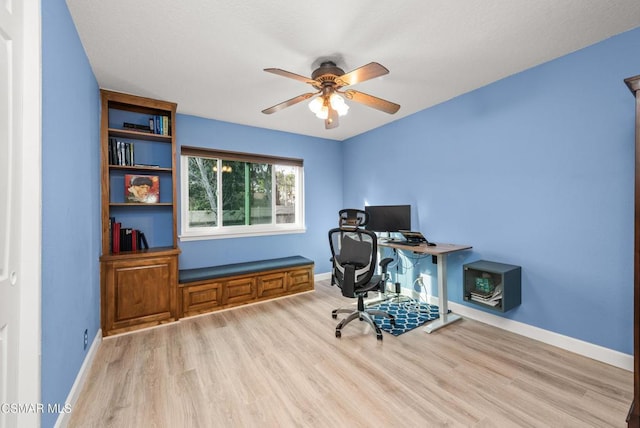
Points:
238	156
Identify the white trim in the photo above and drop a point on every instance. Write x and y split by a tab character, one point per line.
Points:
580	347
194	236
322	276
81	378
29	174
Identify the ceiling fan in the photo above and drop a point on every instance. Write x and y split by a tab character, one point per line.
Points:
329	79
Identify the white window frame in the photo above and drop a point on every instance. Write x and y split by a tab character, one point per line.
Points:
189	233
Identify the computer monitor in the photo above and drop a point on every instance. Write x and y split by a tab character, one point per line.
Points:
388	218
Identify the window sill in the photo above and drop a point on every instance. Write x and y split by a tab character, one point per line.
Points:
205	236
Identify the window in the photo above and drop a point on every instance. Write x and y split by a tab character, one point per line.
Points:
236	194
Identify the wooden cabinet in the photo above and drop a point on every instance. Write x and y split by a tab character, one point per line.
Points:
138	292
633	418
138	151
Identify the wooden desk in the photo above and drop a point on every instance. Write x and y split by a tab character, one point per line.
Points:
440	251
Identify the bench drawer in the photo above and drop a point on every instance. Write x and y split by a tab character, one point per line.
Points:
300	279
273	284
197	299
239	290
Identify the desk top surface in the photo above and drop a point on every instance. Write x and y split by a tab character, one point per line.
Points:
438	249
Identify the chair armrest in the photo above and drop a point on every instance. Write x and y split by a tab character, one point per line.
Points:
384	263
348	281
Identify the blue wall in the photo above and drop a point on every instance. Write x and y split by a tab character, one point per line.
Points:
323	192
535	170
70	204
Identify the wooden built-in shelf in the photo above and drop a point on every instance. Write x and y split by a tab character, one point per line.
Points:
138	135
140	168
156	251
140	204
138	288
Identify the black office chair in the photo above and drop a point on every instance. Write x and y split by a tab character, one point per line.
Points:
351	219
355	252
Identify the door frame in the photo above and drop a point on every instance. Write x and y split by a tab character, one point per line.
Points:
29	371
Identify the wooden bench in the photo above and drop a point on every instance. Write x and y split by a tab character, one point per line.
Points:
213	288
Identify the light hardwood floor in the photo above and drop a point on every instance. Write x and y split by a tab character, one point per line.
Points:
279	364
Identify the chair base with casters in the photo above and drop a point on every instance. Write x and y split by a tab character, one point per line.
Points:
363	314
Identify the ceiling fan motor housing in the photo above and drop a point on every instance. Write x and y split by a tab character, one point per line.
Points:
327	72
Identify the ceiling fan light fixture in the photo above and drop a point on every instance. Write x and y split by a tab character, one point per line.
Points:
323	113
316	104
338	104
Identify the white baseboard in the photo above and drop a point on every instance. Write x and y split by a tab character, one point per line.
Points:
63	418
586	349
322	276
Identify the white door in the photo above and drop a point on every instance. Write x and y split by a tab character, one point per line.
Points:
19	138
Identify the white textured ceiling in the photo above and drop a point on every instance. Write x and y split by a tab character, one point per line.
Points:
208	55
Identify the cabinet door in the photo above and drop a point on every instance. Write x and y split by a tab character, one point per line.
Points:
201	298
301	279
272	284
139	292
239	290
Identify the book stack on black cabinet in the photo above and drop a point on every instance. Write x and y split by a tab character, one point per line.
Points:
126	238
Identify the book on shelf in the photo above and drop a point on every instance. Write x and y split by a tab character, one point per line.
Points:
126	238
143	241
121	152
112	220
116	236
493	298
136	127
160	124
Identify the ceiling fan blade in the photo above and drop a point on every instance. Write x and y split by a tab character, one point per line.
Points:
291	75
288	103
331	121
366	72
371	101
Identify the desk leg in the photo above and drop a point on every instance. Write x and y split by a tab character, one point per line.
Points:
445	316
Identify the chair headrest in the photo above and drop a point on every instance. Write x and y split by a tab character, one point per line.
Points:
352	217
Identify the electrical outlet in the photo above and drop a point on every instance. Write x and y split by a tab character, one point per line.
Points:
86	339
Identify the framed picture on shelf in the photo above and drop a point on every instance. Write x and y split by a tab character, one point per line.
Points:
142	188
